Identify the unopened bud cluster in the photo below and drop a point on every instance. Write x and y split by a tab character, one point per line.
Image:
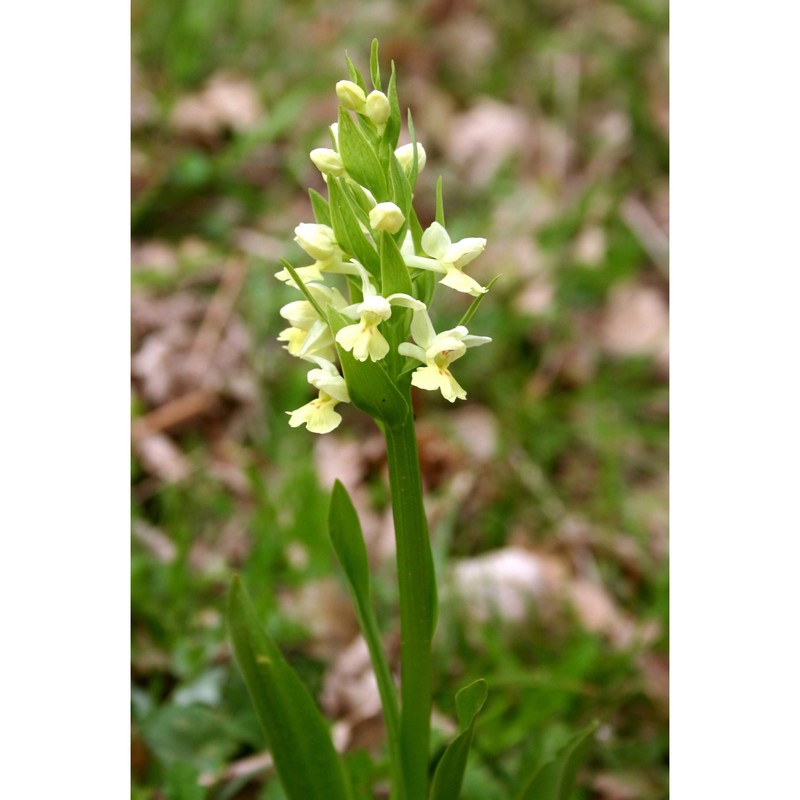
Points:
367	236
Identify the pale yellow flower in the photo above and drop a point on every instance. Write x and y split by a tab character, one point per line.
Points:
437	351
449	258
364	339
320	415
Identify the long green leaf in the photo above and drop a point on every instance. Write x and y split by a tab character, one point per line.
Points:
348	544
305	760
449	773
556	779
371	389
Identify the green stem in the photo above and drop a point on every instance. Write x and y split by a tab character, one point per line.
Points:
417	604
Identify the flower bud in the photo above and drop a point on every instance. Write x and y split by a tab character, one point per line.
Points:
386	217
335	133
405	155
351	95
317	240
327	161
378	108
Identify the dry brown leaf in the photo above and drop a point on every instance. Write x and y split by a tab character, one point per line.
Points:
325	610
162	457
481	139
636	322
476	429
500	584
227	102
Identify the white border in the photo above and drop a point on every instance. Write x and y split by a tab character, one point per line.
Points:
735	445
64	333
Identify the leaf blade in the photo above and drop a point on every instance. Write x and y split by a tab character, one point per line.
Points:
449	775
555	779
348	543
307	764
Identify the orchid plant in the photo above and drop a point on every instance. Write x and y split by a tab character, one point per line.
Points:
370	339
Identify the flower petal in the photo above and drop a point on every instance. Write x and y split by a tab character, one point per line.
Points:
435	241
377	346
348	336
462	282
461	253
422	331
426	378
405	300
476	341
318	416
412	351
451	390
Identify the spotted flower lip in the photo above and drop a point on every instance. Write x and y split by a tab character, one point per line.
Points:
437	351
450	258
364	339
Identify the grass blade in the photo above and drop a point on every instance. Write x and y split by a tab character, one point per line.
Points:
556	778
449	773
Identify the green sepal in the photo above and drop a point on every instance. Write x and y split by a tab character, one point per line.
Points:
355	75
360	159
307	764
320	207
449	773
348	232
371	389
556	778
348	544
374	65
473	306
392	132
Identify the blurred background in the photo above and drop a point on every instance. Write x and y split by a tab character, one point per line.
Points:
547	487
